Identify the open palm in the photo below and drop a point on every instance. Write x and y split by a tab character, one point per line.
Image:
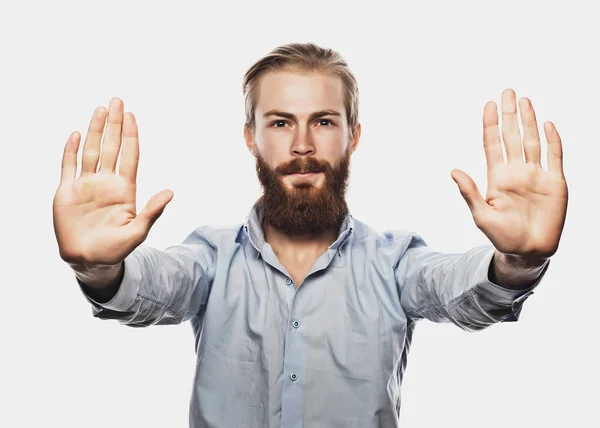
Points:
524	210
95	218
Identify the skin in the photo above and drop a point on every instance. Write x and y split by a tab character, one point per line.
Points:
97	225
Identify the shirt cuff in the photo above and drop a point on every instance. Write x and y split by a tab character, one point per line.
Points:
128	290
501	295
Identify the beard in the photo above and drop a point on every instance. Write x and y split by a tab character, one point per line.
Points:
304	209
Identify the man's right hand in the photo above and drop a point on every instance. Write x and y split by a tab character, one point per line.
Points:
95	218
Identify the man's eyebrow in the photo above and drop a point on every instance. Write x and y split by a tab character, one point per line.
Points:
279	113
327	112
313	116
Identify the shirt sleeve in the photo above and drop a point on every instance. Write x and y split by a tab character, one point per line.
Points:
455	287
161	286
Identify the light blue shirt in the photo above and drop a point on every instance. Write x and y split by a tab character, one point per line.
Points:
328	353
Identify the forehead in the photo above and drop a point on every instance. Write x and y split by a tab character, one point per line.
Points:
298	91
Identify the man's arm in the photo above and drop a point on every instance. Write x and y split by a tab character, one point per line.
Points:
99	230
522	214
458	288
153	286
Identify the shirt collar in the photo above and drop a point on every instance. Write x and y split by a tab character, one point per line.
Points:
254	230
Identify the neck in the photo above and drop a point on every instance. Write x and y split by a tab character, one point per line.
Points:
298	247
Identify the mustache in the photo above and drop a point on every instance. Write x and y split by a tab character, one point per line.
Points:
300	166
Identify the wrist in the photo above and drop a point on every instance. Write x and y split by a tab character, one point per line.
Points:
516	271
521	261
98	276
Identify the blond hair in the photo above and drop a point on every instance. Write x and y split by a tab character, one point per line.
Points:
305	56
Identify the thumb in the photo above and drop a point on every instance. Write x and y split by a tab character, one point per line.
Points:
469	191
152	211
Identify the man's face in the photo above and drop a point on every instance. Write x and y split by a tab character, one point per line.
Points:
302	147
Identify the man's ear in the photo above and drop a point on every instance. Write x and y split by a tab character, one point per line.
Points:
355	138
249	138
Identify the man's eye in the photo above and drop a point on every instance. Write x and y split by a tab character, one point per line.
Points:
279	123
324	122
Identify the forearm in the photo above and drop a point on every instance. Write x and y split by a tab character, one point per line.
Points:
515	272
101	283
154	286
461	288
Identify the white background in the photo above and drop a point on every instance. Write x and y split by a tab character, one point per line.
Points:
425	71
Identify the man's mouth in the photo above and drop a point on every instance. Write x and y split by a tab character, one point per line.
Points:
302	173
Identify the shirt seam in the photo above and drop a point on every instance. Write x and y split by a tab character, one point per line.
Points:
151	298
166	307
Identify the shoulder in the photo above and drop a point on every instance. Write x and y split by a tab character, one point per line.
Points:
214	235
394	241
205	243
384	236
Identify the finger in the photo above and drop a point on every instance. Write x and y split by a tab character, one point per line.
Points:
531	136
510	127
555	151
112	136
91	147
470	193
130	151
151	212
69	160
491	136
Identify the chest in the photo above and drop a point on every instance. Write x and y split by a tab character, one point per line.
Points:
298	270
341	316
340	334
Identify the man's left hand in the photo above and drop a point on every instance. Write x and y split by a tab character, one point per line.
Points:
524	211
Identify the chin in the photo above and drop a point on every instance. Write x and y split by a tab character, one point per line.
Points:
300	183
304	187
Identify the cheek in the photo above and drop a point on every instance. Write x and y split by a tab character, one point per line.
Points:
331	145
269	149
274	143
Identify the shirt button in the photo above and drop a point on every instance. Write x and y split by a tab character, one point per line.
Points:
295	324
288	281
294	376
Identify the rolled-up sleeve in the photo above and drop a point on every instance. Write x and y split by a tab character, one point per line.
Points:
455	287
161	286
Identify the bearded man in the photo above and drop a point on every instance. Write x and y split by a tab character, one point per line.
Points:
303	315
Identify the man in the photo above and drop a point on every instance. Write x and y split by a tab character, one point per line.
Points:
303	315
